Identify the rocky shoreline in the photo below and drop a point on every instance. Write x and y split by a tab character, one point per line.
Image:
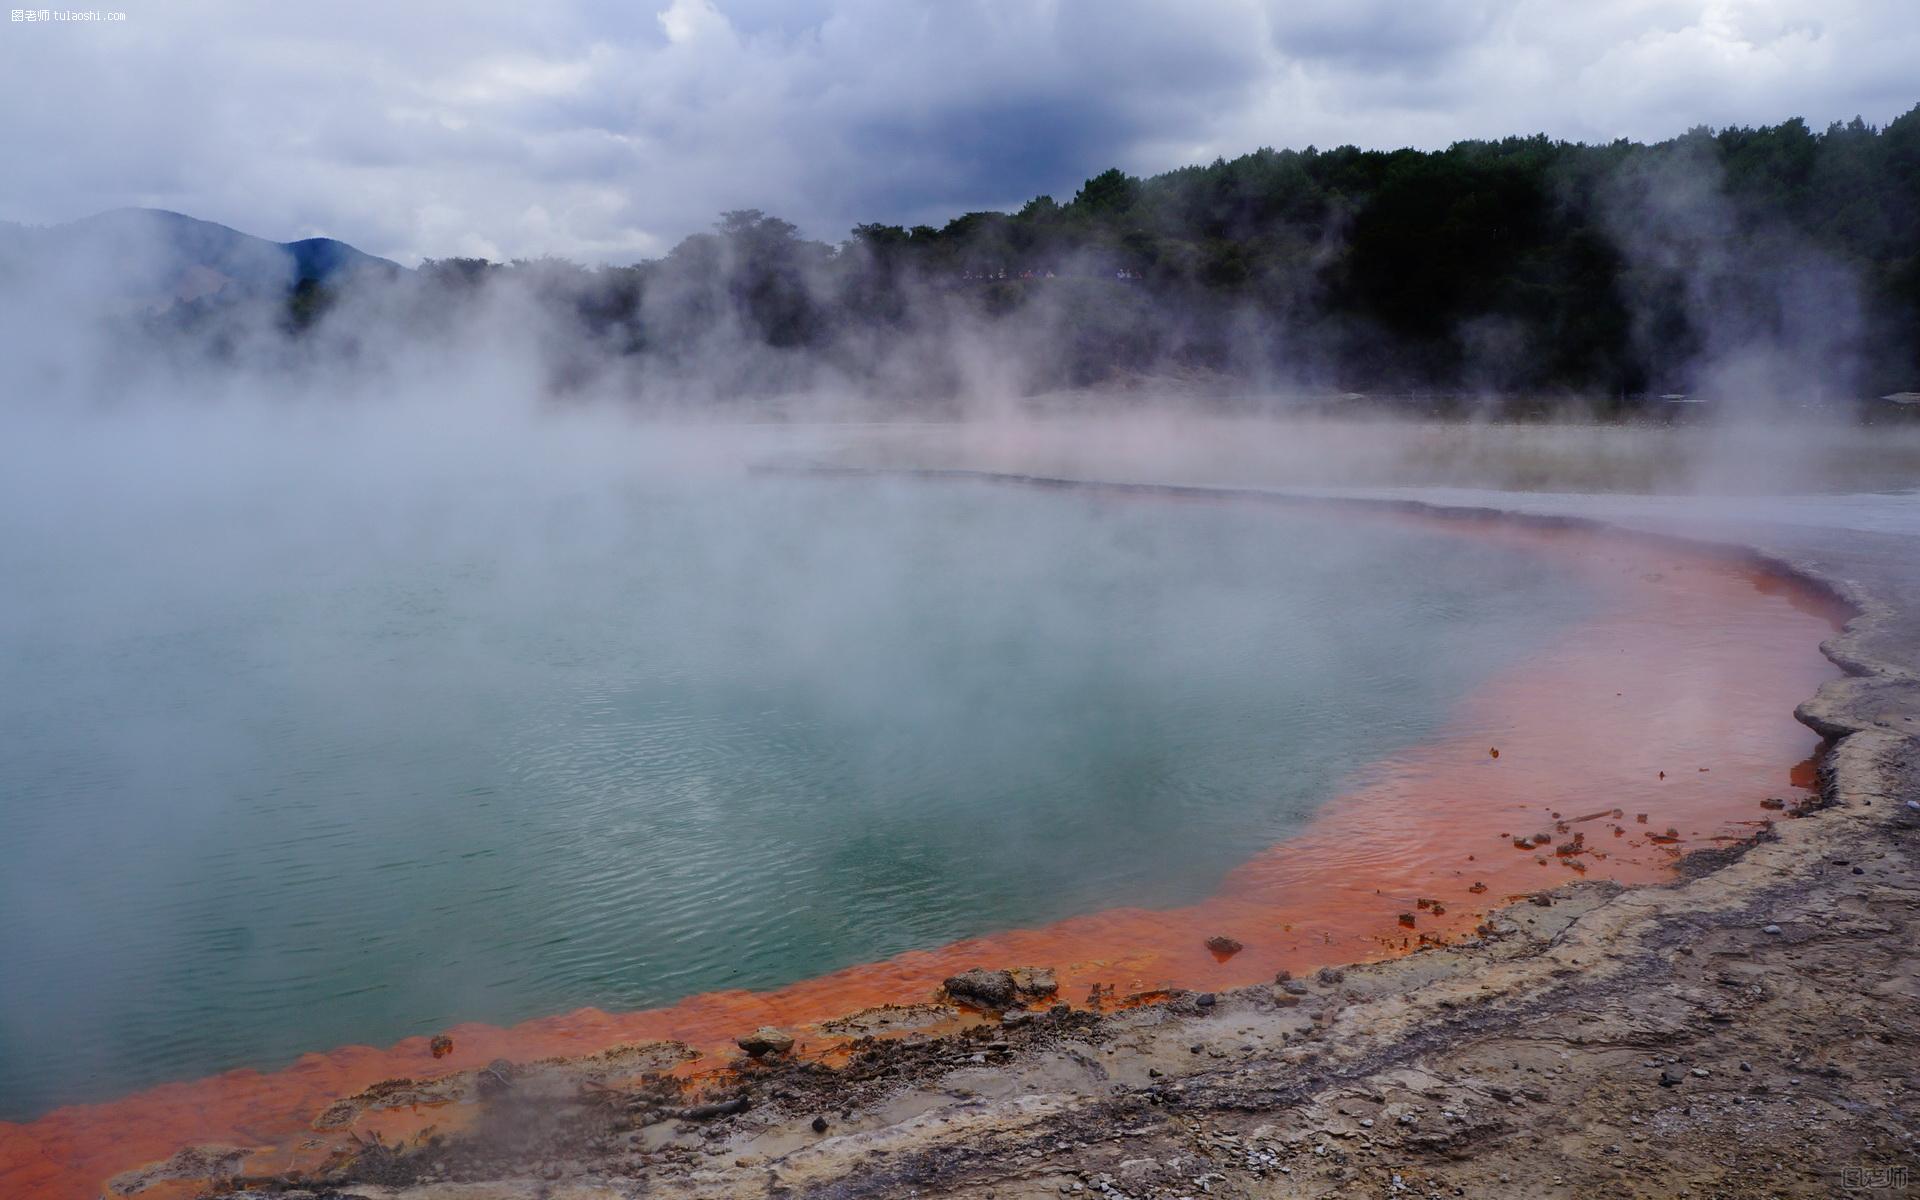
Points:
1748	1030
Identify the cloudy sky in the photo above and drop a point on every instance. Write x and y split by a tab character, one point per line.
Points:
606	131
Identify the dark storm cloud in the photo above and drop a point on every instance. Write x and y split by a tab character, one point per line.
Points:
1056	111
606	131
985	153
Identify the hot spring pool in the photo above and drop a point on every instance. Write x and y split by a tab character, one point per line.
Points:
291	774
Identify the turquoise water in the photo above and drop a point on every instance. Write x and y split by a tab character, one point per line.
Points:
295	758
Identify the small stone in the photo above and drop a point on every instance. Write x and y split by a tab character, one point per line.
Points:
766	1040
1223	946
440	1046
1034	982
982	989
1206	1000
1670	1077
1859	871
1746	1066
819	1124
1699	1072
1771	929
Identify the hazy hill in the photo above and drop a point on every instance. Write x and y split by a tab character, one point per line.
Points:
151	258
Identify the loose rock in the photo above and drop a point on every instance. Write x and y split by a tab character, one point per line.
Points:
1034	982
982	989
766	1040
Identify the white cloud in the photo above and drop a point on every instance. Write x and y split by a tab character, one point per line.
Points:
685	20
604	130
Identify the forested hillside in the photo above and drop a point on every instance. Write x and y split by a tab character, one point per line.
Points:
1713	261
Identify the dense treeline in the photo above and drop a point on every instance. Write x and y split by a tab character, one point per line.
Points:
1715	259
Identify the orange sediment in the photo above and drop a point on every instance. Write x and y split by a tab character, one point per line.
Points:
1674	700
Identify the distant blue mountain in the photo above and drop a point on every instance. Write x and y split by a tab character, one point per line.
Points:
320	259
155	258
